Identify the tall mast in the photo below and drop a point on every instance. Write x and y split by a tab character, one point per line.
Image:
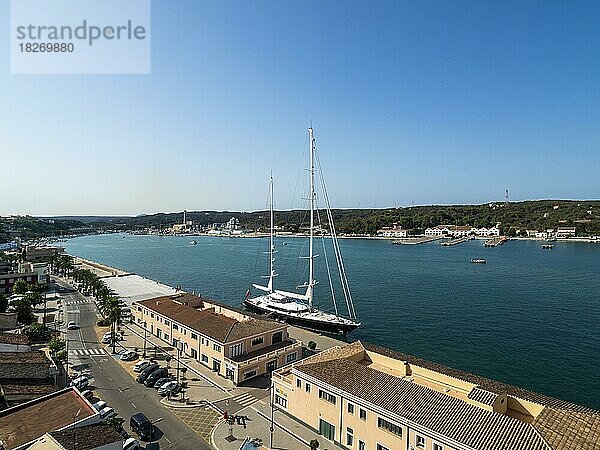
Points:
272	243
311	268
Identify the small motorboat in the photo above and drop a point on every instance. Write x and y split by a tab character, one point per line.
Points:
193	242
478	261
547	246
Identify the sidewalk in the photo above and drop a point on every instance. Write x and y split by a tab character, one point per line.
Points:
287	435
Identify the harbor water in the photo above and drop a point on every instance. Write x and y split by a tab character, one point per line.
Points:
529	317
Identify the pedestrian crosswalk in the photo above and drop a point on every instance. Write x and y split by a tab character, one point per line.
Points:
245	399
88	352
77	302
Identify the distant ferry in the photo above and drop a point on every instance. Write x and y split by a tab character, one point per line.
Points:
478	261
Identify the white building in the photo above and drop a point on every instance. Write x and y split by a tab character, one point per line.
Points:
394	231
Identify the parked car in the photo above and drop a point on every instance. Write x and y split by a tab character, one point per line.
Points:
162	381
141	425
141	365
156	375
106	412
99	405
81	382
88	395
129	355
171	387
131	444
72	326
146	372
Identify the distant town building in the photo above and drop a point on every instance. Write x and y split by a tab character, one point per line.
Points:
233	224
565	232
39	253
461	231
367	397
395	231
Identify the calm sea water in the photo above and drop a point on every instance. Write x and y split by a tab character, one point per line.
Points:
529	317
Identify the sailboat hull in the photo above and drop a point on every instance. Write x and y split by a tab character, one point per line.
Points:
309	323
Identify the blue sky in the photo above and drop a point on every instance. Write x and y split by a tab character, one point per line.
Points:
424	102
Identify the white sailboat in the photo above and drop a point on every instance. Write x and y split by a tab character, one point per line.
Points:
297	308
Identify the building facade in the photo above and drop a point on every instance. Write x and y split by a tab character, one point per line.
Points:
366	397
231	343
7	281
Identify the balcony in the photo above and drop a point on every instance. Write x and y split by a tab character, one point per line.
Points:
264	353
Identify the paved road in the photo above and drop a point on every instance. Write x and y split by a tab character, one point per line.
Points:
115	386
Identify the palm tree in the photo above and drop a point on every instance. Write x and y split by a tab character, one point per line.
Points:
112	311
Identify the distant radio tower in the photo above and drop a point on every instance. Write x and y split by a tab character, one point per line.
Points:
506	199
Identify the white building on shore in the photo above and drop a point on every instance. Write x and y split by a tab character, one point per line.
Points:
462	231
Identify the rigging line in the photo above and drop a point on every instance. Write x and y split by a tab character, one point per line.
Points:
258	252
327	264
337	250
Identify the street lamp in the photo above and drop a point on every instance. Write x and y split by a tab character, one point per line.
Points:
145	331
272	428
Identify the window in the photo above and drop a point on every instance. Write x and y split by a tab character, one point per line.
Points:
152	315
362	414
236	350
437	446
298	383
327	396
175	327
281	401
349	436
204	359
166	337
194	336
139	308
167	322
307	387
216	348
158	334
326	429
249	374
291	357
194	354
258	340
381	447
389	426
361	445
420	441
351	408
277	337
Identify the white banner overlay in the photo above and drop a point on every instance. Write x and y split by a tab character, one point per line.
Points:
80	36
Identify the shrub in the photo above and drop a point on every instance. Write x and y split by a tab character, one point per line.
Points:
312	345
37	332
103	323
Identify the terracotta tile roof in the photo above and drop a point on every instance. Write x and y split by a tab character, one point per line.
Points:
482	396
31	420
451	417
17	387
560	425
216	326
33	357
487	384
86	438
13	338
569	430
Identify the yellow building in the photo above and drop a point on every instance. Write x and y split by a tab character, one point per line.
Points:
229	342
370	398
